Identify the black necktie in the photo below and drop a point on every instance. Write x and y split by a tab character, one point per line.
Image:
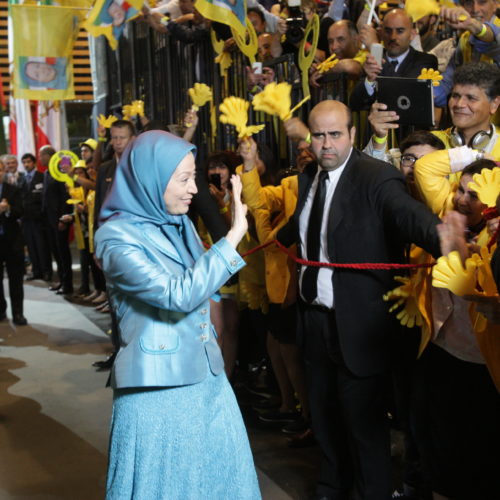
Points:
391	68
310	276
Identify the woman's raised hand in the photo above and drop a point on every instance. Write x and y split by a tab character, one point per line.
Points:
239	224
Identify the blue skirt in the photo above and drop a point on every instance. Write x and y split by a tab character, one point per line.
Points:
180	443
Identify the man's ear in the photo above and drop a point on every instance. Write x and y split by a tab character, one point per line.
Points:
352	134
494	103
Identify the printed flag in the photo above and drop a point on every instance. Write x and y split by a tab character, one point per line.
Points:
51	126
230	12
108	18
43	39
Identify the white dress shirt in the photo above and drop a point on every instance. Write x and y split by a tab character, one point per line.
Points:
325	285
370	86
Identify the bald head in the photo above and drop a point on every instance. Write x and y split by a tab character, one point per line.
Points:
332	133
397	32
45	154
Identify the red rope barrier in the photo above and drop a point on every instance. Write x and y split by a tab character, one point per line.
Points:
313	263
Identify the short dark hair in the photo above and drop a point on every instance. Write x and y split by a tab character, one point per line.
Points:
476	166
124	124
257	11
225	158
484	75
29	156
421	138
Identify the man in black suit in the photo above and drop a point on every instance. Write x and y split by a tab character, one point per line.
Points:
350	209
11	248
54	206
401	60
32	221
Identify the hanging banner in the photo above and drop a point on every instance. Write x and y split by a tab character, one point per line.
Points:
108	18
43	39
230	12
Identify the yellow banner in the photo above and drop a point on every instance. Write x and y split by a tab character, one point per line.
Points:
108	18
230	12
43	38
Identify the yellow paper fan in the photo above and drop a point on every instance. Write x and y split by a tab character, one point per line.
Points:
487	185
106	122
431	74
327	64
200	94
275	100
234	111
450	273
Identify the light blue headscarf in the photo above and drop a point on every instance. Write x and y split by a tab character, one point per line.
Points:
141	178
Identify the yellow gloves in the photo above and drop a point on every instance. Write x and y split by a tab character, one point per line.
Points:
410	315
234	111
200	94
449	273
106	122
487	185
274	99
327	64
431	74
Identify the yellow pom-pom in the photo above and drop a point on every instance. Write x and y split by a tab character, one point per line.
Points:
234	111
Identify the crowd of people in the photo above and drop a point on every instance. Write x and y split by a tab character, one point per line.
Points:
341	367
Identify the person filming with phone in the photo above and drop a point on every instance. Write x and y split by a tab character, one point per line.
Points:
399	59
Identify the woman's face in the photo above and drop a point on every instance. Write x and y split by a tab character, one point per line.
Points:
222	170
467	202
181	187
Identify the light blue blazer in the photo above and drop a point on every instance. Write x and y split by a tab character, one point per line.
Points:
162	307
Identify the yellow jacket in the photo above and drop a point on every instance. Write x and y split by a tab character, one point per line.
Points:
263	203
432	174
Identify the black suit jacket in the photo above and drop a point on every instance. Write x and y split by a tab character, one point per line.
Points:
32	197
105	177
54	199
12	236
372	219
411	67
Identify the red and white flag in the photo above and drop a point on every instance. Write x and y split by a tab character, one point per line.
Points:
51	126
22	139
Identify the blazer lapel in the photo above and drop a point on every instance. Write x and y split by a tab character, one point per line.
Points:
343	192
407	62
163	245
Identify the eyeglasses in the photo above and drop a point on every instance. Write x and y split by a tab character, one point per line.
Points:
408	160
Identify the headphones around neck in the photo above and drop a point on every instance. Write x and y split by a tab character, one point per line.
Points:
478	141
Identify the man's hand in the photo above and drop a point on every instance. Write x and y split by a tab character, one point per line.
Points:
452	234
382	120
296	129
368	36
267	76
315	76
248	151
282	26
459	19
371	68
4	206
253	79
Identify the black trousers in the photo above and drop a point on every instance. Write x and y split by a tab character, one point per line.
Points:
457	425
38	247
13	260
348	416
59	245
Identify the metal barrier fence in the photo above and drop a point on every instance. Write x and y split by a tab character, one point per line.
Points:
159	70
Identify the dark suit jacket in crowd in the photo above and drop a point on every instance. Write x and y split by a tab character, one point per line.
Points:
12	230
54	198
411	67
372	218
32	193
105	176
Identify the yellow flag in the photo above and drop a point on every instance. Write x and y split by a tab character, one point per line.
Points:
108	18
418	9
43	39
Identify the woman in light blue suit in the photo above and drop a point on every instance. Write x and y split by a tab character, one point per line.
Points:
176	430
